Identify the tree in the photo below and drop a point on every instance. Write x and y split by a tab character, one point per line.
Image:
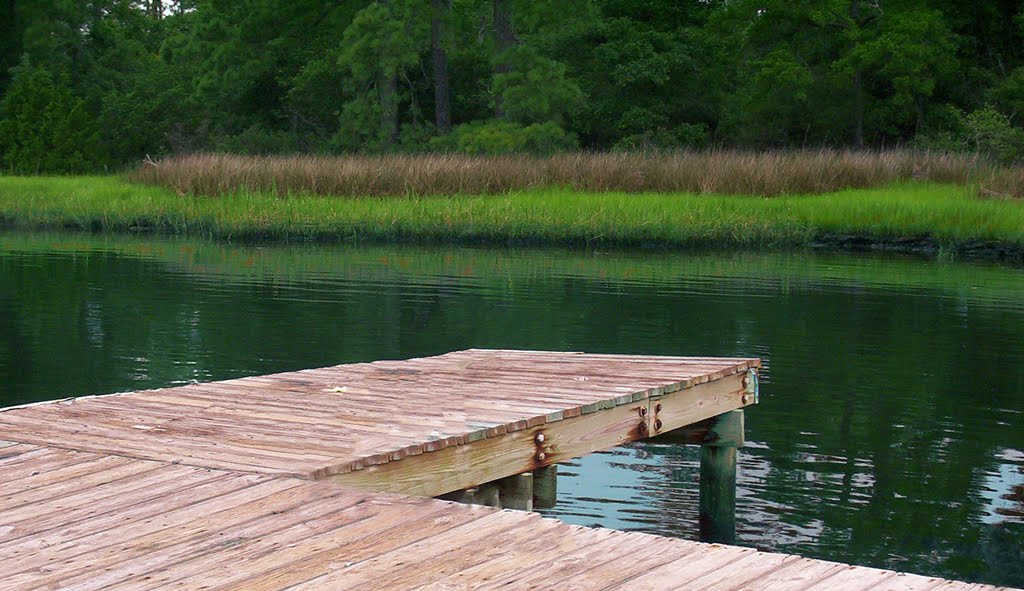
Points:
378	50
504	39
908	57
44	128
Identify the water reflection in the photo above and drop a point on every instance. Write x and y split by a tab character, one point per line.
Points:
892	417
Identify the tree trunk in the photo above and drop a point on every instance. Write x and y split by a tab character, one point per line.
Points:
858	109
387	84
442	94
504	38
858	85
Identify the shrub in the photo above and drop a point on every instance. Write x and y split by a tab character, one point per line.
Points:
985	132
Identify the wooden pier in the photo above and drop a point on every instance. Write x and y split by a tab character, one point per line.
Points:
322	479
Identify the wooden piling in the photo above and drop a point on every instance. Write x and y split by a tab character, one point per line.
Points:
718	478
545	487
487	494
516	492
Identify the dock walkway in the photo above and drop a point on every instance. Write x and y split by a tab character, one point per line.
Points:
305	481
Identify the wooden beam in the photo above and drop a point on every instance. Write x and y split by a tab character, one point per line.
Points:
704	401
725	429
464	466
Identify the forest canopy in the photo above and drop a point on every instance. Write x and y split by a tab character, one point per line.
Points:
89	85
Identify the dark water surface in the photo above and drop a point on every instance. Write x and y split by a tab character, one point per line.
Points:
891	426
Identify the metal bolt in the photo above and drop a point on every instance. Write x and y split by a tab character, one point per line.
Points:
657	407
541	455
743	399
643	411
657	424
539	438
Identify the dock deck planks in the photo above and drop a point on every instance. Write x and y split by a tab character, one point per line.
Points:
215	486
347	421
197	528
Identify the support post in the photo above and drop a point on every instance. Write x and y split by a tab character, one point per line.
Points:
516	492
486	494
718	478
545	486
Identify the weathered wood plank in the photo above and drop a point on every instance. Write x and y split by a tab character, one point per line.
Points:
315	423
145	491
217	530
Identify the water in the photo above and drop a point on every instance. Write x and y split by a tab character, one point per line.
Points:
891	426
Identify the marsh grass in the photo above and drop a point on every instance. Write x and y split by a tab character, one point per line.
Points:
905	215
713	172
1002	183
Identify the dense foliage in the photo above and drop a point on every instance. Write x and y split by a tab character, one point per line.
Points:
88	84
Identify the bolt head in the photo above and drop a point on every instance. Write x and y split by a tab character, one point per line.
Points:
539	438
541	455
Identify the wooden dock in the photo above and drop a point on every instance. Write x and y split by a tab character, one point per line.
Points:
321	479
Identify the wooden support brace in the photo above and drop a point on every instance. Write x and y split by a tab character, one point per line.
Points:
545	487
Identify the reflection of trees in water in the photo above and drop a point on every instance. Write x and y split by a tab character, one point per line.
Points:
881	413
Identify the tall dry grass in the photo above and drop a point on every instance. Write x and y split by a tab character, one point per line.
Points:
721	172
1002	183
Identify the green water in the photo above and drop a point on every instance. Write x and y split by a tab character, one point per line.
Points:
891	426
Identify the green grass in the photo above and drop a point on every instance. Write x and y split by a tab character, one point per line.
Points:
946	216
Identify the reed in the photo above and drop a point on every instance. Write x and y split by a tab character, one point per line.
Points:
712	172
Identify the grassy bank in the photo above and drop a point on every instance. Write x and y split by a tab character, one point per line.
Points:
906	216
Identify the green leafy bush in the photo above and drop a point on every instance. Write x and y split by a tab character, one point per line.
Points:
986	131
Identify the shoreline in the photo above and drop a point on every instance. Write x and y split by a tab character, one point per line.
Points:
846	244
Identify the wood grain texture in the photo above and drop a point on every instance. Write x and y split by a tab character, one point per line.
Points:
239	484
161	526
323	422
